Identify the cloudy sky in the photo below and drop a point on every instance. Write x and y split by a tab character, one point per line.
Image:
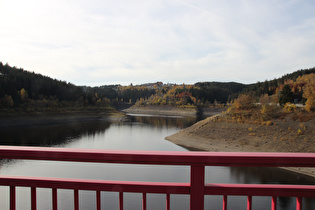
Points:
97	42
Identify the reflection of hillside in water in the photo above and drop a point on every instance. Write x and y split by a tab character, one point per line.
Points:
166	122
50	135
254	175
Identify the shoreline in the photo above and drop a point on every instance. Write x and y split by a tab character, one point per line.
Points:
171	110
51	118
216	140
161	110
183	143
11	119
190	138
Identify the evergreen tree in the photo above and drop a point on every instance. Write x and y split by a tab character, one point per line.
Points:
286	95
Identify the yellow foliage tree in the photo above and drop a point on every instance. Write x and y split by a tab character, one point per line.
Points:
23	94
244	101
268	107
309	92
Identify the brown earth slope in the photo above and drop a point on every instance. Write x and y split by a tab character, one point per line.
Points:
284	135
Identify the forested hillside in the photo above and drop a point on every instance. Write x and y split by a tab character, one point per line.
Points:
270	87
213	93
27	91
14	80
19	87
200	94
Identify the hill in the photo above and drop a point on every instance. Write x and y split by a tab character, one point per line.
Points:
270	87
22	90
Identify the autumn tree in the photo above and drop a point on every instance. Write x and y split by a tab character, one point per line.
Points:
23	94
244	101
269	108
309	92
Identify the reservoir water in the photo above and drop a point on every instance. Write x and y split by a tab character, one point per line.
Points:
143	132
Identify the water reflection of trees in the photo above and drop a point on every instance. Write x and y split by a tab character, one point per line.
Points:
50	135
266	175
254	175
167	122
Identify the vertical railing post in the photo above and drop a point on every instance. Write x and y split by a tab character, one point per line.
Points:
299	203
98	200
12	198
54	199
76	199
121	201
33	198
197	184
249	202
168	202
224	205
274	203
144	201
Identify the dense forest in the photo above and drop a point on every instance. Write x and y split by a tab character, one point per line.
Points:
269	87
23	90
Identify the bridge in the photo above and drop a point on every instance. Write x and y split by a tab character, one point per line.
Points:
196	188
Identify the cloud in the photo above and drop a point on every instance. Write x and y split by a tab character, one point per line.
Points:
105	42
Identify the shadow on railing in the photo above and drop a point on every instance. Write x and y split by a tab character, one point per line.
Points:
197	188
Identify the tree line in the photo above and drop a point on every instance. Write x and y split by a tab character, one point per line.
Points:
21	89
247	107
28	91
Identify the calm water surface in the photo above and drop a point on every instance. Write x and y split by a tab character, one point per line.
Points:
141	133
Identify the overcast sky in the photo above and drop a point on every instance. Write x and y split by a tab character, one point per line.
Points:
99	42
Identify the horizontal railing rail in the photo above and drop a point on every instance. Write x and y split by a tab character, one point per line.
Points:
246	159
197	161
98	185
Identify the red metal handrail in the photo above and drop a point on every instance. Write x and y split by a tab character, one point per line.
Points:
196	188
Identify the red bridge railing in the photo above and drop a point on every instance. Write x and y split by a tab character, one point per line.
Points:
197	188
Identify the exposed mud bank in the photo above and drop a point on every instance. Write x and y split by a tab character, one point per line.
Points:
211	135
170	110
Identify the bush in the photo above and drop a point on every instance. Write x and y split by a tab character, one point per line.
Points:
268	123
289	107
